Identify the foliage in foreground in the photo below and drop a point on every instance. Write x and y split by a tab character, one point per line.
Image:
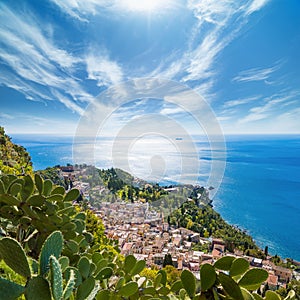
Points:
14	159
45	241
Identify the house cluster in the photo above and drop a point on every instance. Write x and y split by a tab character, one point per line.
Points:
150	238
141	231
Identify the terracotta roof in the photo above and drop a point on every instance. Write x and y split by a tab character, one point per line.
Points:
272	280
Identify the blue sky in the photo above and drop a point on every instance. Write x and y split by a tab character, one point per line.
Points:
242	57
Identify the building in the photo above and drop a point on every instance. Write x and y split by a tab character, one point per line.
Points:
283	274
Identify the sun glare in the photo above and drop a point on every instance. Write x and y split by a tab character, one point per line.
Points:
143	5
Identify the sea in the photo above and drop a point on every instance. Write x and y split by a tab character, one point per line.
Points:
259	190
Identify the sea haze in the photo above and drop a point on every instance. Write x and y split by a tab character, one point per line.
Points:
260	190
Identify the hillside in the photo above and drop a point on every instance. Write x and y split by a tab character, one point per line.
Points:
14	159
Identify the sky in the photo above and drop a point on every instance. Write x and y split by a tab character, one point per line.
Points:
241	57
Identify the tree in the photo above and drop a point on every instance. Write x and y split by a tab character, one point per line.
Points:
168	260
266	250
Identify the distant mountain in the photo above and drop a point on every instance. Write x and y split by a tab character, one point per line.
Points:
14	159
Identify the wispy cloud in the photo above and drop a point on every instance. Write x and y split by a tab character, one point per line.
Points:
105	71
271	105
198	62
256	74
30	123
4	116
238	102
81	10
255	6
33	64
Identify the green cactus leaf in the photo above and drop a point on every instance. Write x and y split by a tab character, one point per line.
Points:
85	288
72	246
96	257
163	291
80	216
80	225
69	286
256	296
9	199
129	263
239	266
25	221
15	188
88	237
38	289
69	227
103	295
72	195
36	200
47	187
129	289
270	295
176	286
246	294
29	212
66	210
14	256
55	197
224	263
208	276
10	290
104	273
92	269
64	262
39	183
28	188
253	279
7	180
34	266
52	246
120	283
163	280
291	295
188	282
78	277
230	287
139	267
2	187
56	278
84	267
69	235
157	280
59	190
149	291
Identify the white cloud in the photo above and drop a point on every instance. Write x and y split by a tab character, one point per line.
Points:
171	110
255	74
5	116
104	70
272	105
79	9
33	64
68	102
256	5
212	20
238	102
39	125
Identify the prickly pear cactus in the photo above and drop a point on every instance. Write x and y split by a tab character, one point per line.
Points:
14	256
52	247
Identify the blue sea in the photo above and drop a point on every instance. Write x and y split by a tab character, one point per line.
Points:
260	190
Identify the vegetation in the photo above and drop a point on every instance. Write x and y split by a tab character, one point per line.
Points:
53	249
14	159
57	251
53	173
208	222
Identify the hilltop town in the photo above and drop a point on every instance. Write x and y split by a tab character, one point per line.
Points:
144	232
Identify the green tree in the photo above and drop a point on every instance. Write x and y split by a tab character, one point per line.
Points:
168	260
